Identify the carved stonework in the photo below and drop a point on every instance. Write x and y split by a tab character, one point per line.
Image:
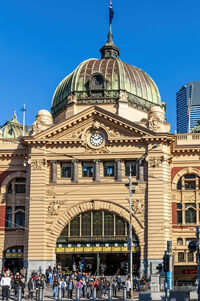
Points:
123	96
96	125
156	117
155	162
55	208
138	206
189	197
50	192
38	164
72	98
140	190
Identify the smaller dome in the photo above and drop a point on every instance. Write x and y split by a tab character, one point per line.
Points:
45	116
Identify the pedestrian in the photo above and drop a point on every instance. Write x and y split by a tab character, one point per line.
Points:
119	282
63	287
5	284
30	288
114	287
128	288
70	288
55	287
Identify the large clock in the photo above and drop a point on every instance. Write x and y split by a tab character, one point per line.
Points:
96	139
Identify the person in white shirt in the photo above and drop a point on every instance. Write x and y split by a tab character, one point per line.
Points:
128	288
5	284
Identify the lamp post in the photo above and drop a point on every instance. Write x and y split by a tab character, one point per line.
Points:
130	214
130	230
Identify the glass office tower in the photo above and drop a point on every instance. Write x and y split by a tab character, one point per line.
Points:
188	107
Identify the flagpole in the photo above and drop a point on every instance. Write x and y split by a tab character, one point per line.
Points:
24	111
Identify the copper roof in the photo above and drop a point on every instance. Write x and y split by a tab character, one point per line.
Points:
119	75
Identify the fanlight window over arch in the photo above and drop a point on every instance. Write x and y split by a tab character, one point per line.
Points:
96	226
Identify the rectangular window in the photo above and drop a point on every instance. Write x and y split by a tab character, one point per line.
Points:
8	217
132	165
108	224
108	169
179	213
75	227
20	188
87	169
120	226
86	224
66	169
97	223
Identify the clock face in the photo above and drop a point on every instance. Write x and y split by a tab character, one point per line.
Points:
96	139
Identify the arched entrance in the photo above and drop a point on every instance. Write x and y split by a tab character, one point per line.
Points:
97	240
13	258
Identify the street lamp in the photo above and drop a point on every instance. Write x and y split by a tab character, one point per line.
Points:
130	214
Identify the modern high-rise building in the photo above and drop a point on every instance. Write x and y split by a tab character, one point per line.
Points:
188	107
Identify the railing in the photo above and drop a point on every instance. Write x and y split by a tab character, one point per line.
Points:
187	139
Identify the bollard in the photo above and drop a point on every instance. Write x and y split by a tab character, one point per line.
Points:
59	294
124	293
40	293
19	293
109	294
77	294
94	294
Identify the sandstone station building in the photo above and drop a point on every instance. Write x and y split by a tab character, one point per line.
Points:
63	185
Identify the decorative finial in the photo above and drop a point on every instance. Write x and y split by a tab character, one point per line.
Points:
14	116
110	50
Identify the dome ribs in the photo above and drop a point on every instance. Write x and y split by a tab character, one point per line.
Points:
149	85
141	90
138	82
130	79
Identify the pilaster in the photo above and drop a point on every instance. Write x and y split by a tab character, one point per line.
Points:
37	213
118	173
159	199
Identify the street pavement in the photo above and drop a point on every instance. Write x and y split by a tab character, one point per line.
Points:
48	296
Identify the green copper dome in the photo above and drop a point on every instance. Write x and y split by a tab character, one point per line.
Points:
97	81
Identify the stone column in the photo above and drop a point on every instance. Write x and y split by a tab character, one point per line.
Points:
140	170
96	171
75	171
53	171
118	170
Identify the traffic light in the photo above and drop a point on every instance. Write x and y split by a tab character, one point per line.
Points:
192	246
126	268
166	263
159	267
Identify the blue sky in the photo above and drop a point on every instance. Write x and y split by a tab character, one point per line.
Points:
43	41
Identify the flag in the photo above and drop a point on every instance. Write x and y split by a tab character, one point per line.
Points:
23	109
188	110
111	11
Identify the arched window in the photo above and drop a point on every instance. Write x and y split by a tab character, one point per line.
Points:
190	257
179	241
188	182
190	214
17	185
15	203
181	257
94	224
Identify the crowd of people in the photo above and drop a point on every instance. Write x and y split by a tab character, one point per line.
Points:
67	283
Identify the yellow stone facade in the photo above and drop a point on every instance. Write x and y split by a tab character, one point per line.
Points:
49	201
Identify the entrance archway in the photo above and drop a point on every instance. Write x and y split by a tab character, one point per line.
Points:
13	258
97	241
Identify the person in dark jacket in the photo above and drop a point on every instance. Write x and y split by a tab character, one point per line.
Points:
30	288
39	283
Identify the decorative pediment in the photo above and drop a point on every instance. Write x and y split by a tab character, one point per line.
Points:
77	128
